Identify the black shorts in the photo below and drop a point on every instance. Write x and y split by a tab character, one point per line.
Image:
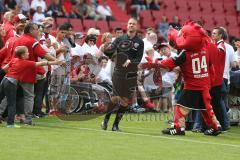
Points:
124	84
191	99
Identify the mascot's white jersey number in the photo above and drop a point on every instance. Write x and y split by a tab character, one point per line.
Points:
199	64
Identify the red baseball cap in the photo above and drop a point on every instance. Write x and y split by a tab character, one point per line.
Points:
19	17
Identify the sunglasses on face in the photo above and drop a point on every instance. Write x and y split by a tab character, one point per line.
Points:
91	40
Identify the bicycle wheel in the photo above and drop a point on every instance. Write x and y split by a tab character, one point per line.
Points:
72	102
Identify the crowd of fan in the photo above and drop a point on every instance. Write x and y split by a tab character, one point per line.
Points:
138	5
38	9
86	62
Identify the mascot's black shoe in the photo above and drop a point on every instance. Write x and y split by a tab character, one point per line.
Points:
115	128
212	132
174	131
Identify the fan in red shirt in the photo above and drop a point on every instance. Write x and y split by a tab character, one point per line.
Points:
6	53
68	9
12	33
35	50
195	66
18	69
28	39
7	49
8	25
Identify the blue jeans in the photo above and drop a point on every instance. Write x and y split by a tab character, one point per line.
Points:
224	103
198	120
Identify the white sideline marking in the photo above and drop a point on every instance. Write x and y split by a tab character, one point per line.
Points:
139	134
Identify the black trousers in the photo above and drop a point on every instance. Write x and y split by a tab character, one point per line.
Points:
215	93
38	99
9	90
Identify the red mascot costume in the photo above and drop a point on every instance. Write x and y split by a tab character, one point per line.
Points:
196	69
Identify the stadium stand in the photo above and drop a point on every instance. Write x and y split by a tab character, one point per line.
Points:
211	12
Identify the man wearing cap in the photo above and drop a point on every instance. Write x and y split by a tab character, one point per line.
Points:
168	78
79	40
46	34
129	52
19	20
89	44
94	32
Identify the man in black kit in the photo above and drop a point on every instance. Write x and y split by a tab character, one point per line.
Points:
128	52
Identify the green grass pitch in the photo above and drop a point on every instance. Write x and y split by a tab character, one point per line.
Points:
55	139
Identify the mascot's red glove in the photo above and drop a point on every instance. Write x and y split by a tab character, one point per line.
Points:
168	63
149	64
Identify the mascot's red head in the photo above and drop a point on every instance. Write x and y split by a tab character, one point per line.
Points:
191	37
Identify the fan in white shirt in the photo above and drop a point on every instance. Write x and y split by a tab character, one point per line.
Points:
38	16
104	9
36	3
231	60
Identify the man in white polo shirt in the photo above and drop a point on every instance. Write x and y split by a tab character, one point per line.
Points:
231	61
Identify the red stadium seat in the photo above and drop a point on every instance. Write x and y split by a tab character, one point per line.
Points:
183	17
233	32
214	1
218	8
103	26
220	20
148	22
229	8
128	4
48	2
115	24
167	5
60	21
182	7
170	5
170	15
77	25
193	6
145	14
89	24
208	21
157	15
181	3
231	20
206	7
208	25
195	17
